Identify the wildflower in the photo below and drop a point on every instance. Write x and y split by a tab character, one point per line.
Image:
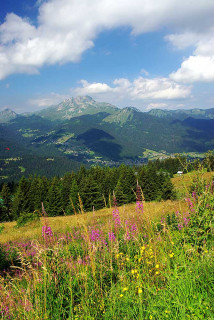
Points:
150	317
125	289
142	249
95	235
157	272
180	226
171	255
134	271
140	290
111	236
121	295
167	311
157	266
47	232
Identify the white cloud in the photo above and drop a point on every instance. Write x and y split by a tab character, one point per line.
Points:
199	67
52	99
195	68
67	28
159	88
140	89
144	71
156	106
91	88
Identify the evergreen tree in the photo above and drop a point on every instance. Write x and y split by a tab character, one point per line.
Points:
53	204
74	198
66	187
7	203
149	183
21	202
168	191
91	194
37	193
121	197
126	185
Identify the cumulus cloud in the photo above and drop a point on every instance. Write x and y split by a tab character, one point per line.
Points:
67	28
195	68
140	89
92	88
199	67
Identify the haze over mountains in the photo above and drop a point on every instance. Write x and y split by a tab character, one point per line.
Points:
83	130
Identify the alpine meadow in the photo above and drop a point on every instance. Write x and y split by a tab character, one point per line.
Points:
106	160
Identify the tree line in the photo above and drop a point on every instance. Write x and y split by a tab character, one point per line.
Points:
92	187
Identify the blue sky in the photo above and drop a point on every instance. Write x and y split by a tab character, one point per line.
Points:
147	54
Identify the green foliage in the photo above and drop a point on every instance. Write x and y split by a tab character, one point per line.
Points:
8	258
200	230
21	202
7	203
26	218
1	228
54	205
143	271
95	186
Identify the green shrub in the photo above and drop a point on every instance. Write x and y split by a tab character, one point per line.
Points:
1	228
27	217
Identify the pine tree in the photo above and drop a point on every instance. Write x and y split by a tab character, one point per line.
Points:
126	185
21	202
7	203
73	197
91	194
168	191
119	194
66	187
53	204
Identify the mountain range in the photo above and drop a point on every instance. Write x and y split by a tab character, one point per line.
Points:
81	130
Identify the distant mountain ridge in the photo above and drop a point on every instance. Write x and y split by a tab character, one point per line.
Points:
182	113
75	107
85	131
7	114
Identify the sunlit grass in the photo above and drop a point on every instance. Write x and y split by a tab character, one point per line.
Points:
116	263
152	210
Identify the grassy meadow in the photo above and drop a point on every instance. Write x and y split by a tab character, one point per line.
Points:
150	260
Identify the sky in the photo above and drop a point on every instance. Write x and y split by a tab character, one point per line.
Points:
142	53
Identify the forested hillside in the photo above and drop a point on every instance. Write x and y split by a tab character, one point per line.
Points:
93	188
83	131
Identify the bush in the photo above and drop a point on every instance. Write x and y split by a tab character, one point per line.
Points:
27	217
8	258
1	228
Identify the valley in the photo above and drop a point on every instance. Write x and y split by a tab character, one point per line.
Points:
83	131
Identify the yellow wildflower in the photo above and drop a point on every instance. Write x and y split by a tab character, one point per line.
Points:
125	289
133	271
121	295
157	266
140	290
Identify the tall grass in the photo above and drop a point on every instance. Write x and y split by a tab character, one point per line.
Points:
129	264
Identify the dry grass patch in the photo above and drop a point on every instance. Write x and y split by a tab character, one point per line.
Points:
152	211
183	182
